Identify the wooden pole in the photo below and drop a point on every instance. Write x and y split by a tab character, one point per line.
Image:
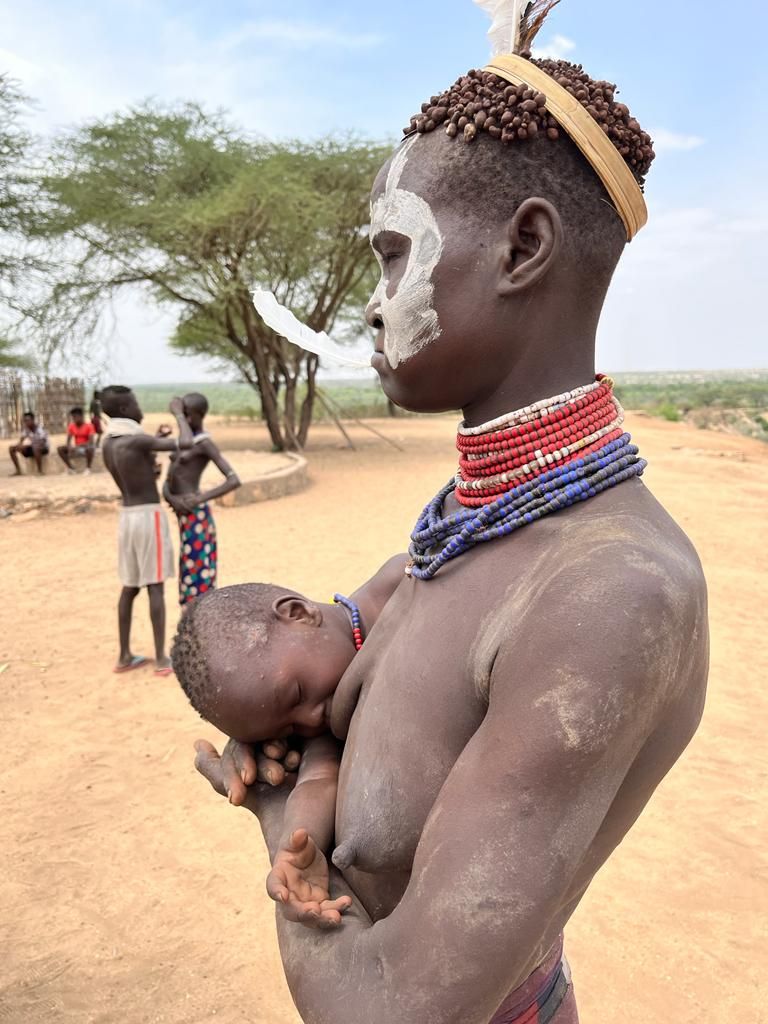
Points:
360	423
321	399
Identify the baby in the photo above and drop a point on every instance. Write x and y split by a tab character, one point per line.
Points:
262	663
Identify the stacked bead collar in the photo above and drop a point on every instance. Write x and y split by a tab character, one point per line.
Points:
516	448
523	466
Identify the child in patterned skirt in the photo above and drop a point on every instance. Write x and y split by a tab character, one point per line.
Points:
197	548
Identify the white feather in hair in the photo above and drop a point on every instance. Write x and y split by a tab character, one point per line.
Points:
515	23
283	322
506	19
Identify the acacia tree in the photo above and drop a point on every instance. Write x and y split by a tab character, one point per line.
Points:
14	143
177	202
11	358
14	149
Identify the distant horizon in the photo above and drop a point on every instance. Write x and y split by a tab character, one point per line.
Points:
732	371
362	378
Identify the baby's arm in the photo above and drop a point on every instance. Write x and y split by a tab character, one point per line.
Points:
298	880
312	804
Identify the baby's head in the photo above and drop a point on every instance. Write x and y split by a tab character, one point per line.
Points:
260	662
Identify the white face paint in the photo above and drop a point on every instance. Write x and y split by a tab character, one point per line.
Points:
410	321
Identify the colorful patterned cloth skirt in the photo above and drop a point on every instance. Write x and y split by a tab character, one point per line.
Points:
197	554
545	998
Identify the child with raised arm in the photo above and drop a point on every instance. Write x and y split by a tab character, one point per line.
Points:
198	554
145	553
262	664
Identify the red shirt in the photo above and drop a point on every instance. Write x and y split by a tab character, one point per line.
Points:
81	434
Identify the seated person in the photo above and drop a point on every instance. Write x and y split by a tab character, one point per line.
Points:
33	444
80	440
262	663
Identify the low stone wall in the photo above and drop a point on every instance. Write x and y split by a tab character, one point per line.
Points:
54	466
56	494
276	483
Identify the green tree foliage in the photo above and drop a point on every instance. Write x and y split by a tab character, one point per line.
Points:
179	203
14	191
14	142
11	358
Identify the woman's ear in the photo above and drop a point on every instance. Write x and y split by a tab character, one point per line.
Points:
292	608
534	241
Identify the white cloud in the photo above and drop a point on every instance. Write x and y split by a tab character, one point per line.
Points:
18	67
688	294
77	67
665	141
557	48
681	242
301	35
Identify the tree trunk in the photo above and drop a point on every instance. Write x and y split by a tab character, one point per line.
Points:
261	364
276	384
270	409
308	405
289	413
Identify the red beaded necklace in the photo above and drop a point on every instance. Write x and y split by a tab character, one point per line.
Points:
498	456
357	619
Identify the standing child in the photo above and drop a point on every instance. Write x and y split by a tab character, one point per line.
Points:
95	410
197	547
144	542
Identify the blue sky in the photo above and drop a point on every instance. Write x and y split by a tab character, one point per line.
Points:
690	292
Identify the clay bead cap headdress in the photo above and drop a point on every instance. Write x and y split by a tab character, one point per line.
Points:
515	24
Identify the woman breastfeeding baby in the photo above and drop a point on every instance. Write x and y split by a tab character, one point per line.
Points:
262	663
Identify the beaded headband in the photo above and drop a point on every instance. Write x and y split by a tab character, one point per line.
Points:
581	127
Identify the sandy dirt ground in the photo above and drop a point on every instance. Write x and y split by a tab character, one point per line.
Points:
130	894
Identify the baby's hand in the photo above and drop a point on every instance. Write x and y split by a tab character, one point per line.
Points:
240	765
298	881
278	750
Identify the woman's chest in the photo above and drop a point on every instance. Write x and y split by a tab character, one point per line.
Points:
416	712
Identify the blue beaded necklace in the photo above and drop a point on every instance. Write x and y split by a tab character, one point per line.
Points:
355	616
438	539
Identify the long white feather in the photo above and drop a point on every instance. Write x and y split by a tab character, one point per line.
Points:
283	322
506	16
